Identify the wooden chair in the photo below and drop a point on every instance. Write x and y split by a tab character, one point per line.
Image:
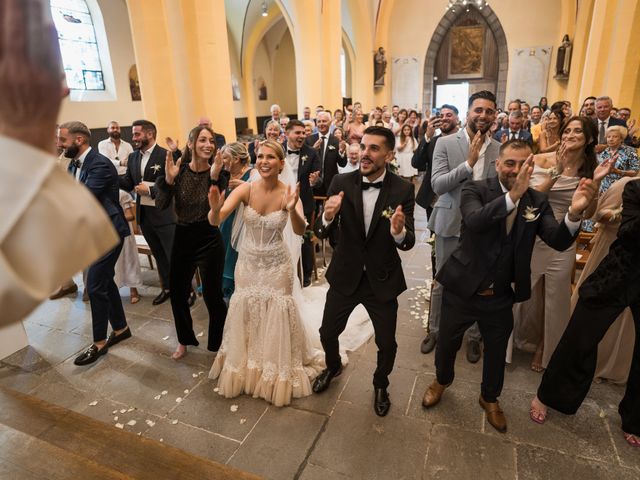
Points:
315	241
584	246
141	243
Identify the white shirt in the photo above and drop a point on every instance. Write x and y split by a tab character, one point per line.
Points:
81	160
478	168
108	148
369	199
571	226
145	159
293	159
349	167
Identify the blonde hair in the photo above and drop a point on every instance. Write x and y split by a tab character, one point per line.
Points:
275	146
619	129
237	150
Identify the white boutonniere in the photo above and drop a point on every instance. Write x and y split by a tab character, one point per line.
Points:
530	214
304	158
553	173
156	168
388	212
331	147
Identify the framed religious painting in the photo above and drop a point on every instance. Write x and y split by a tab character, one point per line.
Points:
466	52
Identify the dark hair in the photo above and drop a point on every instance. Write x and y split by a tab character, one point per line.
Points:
293	123
557	105
536	106
147	126
515	101
484	94
450	107
590	141
514	144
193	136
558	112
389	137
588	98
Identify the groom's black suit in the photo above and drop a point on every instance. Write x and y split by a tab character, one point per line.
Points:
366	268
478	276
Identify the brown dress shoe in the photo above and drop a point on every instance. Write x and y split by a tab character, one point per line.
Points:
433	394
495	416
64	290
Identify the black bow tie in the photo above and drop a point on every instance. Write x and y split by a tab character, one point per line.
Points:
76	163
367	186
293	152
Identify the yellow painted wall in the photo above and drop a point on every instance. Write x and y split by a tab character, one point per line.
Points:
122	109
284	83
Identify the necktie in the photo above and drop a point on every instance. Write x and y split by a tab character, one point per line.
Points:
513	136
322	145
511	218
367	186
601	135
293	152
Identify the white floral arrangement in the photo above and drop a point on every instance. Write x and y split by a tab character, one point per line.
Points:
530	214
388	212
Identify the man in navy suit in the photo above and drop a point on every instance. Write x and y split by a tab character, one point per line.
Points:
157	225
100	176
604	120
515	130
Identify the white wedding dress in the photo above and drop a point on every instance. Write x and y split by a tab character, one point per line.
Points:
271	345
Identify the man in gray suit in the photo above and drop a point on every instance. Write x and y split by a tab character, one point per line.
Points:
470	154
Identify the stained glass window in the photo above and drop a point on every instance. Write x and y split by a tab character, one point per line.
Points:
78	44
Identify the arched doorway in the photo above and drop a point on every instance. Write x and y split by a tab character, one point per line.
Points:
468	29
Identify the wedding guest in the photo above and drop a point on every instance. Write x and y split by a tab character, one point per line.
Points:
604	295
355	128
625	162
197	244
490	268
235	159
353	159
116	149
99	175
615	350
330	151
540	321
549	139
272	131
405	146
469	154
275	116
127	269
399	121
543	104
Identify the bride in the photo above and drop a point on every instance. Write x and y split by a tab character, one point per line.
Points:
268	347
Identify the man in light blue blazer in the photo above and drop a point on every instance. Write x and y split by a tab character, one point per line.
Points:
468	155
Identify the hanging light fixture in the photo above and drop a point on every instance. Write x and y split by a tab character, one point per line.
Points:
264	8
456	5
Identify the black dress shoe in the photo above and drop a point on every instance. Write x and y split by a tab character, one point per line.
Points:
161	298
90	355
192	299
381	402
306	282
114	338
473	351
429	343
323	380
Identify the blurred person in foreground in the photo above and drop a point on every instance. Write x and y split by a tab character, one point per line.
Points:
40	204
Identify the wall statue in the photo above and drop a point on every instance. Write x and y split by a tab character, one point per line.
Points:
379	68
563	62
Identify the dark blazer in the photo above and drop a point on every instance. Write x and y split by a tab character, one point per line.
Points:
332	159
523	135
100	176
422	160
484	213
620	269
153	170
376	251
308	162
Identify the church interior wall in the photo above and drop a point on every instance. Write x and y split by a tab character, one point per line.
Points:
122	109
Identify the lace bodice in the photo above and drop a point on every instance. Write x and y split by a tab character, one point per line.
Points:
263	232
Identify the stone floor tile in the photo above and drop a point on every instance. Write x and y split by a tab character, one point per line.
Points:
314	472
63	394
629	456
325	402
359	389
210	411
539	463
458	407
358	444
28	359
455	454
55	346
191	439
584	434
18	379
279	443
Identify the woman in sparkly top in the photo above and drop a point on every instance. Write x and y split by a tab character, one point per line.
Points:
197	244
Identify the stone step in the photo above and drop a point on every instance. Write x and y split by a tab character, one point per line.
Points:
42	440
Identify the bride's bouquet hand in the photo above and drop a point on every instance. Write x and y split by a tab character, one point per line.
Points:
291	197
216	199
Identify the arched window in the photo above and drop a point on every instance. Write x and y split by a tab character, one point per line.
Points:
78	44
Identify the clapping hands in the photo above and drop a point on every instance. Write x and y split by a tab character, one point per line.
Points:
171	169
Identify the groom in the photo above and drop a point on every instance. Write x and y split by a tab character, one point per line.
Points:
373	208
